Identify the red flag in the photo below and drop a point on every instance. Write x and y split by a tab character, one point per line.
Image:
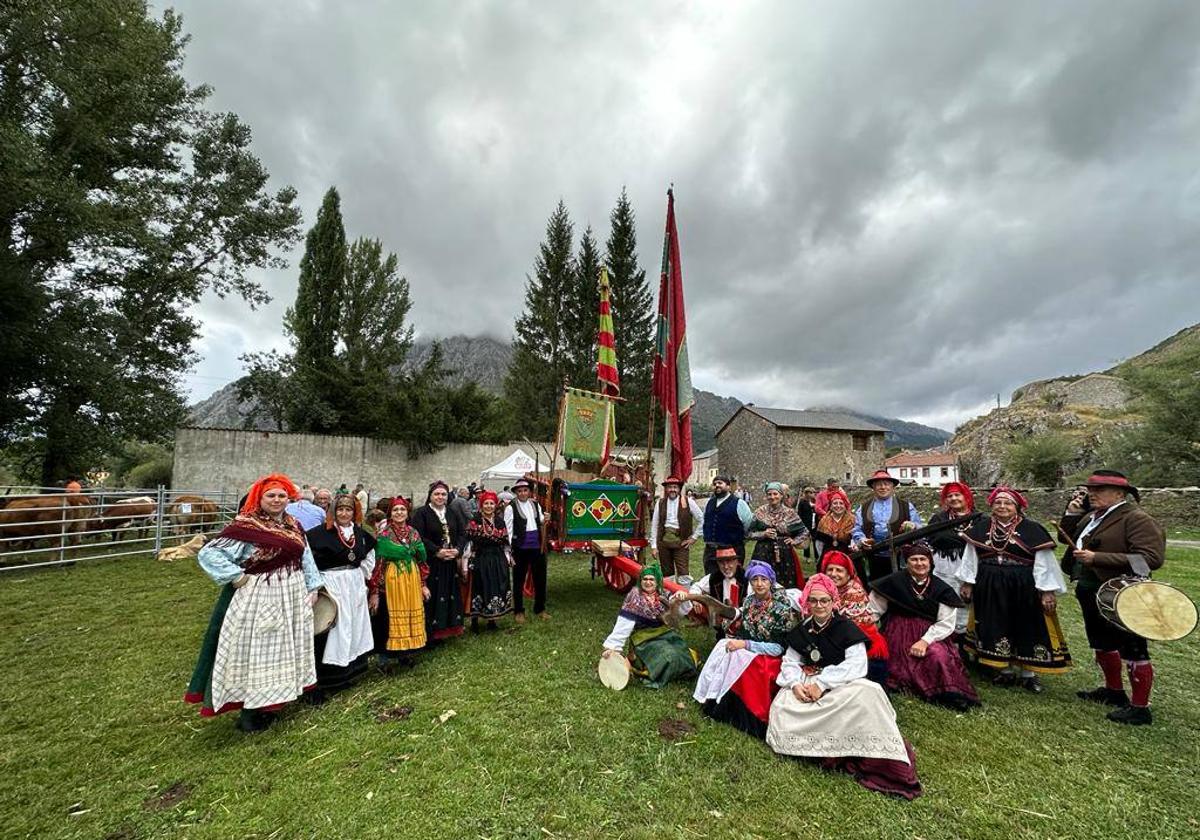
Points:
672	382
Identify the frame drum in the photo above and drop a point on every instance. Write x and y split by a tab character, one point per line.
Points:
1155	611
325	612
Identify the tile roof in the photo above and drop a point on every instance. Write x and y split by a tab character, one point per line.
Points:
922	459
791	418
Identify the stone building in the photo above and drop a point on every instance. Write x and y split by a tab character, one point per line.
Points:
758	445
704	467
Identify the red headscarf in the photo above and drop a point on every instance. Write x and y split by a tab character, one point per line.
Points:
488	494
838	558
1005	490
958	487
268	482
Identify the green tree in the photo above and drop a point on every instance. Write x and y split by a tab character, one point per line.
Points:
267	389
540	354
581	313
633	321
1039	459
1164	450
313	322
122	201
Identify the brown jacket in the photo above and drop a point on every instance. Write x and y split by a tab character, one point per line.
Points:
1127	530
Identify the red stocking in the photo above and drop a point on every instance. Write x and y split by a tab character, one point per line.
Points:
1110	664
1141	678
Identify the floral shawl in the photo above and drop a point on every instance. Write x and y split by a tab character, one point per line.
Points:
646	610
767	620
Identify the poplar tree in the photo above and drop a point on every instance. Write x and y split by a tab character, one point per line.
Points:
540	354
633	321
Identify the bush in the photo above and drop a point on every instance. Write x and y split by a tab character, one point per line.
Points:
1039	460
150	473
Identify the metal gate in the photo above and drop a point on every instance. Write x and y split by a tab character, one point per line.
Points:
42	527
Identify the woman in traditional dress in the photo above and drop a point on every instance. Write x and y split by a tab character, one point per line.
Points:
489	560
833	529
345	554
737	682
957	501
828	710
257	653
398	590
659	653
442	529
778	529
918	612
1012	581
852	604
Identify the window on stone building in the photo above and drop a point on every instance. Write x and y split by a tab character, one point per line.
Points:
862	443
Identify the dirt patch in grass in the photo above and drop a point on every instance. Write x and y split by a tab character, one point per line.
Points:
673	729
392	713
168	798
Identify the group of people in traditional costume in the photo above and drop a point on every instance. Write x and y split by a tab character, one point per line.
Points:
804	663
409	585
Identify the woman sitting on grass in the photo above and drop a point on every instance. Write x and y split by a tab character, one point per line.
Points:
918	611
853	604
827	710
737	682
659	653
257	654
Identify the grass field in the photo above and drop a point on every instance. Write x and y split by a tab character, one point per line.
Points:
96	742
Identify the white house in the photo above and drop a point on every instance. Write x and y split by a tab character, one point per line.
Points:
925	469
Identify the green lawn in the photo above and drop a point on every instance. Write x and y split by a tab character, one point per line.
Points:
96	742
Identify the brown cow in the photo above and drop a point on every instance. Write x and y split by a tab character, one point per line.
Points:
191	512
32	517
125	515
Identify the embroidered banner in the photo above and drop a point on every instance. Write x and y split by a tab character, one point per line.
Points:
587	426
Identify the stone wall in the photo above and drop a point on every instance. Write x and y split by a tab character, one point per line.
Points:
755	451
231	459
1172	507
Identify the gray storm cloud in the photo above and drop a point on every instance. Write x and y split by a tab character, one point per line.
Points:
904	207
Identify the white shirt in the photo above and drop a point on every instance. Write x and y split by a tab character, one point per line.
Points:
1093	524
700	587
528	512
1047	574
672	511
853	667
368	563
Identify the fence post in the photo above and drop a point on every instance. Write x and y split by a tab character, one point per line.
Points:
159	516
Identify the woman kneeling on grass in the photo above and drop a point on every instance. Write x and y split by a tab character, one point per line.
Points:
918	610
257	654
659	653
737	682
828	710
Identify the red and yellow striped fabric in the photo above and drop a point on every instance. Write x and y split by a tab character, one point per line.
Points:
606	362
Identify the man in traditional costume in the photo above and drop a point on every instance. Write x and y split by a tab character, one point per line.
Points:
728	585
675	524
881	516
257	653
737	683
828	710
659	653
345	554
442	530
1012	581
726	518
917	610
777	530
523	519
1116	538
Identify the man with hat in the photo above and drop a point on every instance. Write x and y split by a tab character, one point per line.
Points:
726	518
727	585
523	519
881	516
675	524
1115	539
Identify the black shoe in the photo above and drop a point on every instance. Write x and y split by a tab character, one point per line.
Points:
1132	715
1032	685
491	626
474	625
1106	696
1004	679
316	697
252	720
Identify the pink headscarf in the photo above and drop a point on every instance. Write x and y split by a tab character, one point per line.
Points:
819	581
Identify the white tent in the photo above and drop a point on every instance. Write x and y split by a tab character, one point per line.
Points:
511	468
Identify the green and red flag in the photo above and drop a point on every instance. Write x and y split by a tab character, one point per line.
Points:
606	360
672	382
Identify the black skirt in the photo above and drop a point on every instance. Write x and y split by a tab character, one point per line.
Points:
444	610
1007	625
491	583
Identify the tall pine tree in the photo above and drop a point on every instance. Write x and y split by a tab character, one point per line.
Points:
313	321
633	321
581	313
541	357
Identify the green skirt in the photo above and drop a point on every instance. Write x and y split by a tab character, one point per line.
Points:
660	655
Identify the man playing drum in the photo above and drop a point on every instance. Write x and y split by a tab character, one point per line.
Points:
1116	538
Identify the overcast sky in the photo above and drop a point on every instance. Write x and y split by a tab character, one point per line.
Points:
903	207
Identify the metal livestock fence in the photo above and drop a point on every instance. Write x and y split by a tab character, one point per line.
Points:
42	527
